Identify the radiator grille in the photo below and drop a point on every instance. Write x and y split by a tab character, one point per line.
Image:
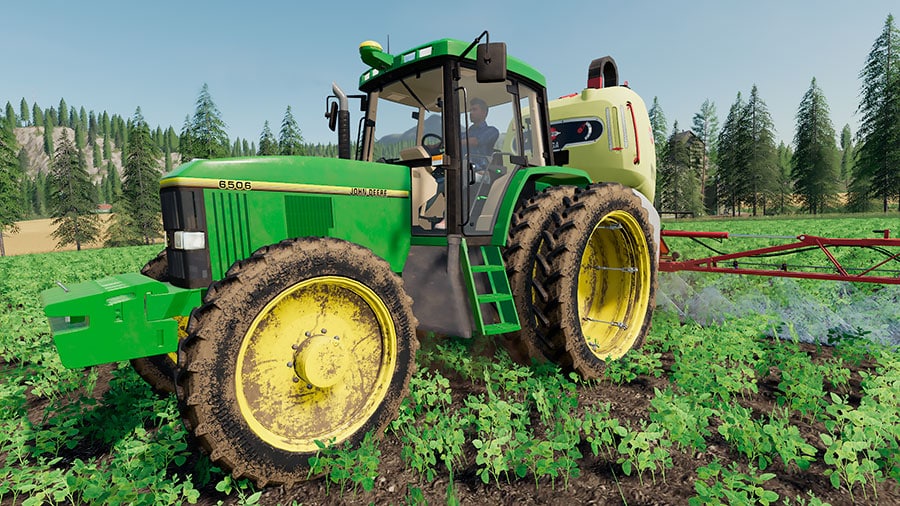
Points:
230	230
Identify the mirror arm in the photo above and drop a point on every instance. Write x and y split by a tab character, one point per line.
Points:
475	43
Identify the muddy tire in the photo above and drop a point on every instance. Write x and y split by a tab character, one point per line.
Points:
529	241
159	370
312	339
602	285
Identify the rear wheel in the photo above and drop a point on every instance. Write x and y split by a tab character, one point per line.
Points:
159	370
310	340
603	281
528	243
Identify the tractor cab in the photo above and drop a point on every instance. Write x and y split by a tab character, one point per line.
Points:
463	121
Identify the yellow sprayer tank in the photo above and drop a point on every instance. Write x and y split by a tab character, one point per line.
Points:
606	131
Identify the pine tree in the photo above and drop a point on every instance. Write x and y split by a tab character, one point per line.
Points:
158	138
236	147
10	185
115	181
168	155
186	141
290	140
660	127
267	144
785	182
734	140
172	139
878	138
80	136
847	155
761	158
26	190
71	200
98	156
24	115
40	194
706	128
679	174
37	115
53	115
245	148
62	118
138	220
48	136
73	118
120	132
813	165
93	128
105	126
107	149
11	120
207	130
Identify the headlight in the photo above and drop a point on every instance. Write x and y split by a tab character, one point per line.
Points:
189	240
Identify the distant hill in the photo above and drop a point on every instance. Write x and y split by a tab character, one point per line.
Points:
31	139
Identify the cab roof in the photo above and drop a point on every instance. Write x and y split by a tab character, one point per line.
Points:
382	63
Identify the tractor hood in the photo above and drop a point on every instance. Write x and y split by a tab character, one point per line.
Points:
304	174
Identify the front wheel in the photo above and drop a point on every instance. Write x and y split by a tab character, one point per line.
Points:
603	278
310	340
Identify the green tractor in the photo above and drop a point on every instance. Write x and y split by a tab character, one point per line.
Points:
285	307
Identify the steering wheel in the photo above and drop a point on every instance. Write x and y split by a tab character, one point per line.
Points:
435	145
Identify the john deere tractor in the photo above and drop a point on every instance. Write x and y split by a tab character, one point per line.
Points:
285	307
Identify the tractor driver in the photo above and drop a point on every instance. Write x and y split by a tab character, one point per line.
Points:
481	136
480	140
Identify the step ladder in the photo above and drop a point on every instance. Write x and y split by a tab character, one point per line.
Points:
493	308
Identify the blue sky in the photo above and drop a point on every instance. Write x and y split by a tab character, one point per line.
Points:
260	57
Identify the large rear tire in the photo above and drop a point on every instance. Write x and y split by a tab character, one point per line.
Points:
604	277
529	241
311	339
159	370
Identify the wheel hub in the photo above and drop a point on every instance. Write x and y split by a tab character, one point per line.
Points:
320	361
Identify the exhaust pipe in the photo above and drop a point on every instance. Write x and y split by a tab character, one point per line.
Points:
343	122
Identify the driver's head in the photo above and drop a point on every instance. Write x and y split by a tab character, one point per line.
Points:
478	110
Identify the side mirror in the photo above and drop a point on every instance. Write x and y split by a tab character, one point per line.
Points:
490	62
332	116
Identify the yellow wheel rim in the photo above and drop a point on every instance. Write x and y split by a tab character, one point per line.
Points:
614	285
344	337
182	333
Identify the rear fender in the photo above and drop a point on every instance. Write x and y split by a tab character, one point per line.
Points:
539	176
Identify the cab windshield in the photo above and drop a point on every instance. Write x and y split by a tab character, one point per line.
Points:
407	124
